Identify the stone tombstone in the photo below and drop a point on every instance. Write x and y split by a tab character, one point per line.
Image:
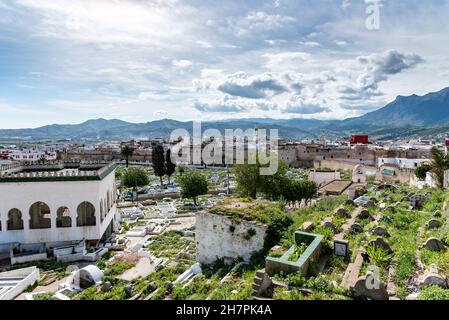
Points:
327	223
350	202
356	228
434	244
437	214
341	248
342	212
380	242
433	224
364	214
381	231
432	277
362	290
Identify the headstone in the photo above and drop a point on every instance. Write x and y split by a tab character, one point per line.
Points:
380	231
363	289
350	202
433	224
356	228
307	226
381	243
364	214
106	287
327	223
437	214
342	212
369	204
434	244
341	247
433	278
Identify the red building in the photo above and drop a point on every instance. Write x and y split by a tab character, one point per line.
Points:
356	139
447	142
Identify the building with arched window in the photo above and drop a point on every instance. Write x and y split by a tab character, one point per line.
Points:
56	203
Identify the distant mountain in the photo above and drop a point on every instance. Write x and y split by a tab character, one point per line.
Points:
430	109
404	117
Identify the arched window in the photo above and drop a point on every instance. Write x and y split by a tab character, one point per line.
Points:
85	214
40	216
15	221
108	201
101	210
63	219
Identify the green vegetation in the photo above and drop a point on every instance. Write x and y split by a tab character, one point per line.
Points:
193	184
421	172
135	177
433	293
169	165
378	256
299	250
439	164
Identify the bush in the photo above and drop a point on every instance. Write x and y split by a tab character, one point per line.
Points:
434	293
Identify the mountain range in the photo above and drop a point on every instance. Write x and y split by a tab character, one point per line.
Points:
404	117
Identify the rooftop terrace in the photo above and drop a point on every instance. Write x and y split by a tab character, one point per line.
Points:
55	171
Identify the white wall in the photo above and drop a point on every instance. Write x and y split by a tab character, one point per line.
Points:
55	194
214	238
402	163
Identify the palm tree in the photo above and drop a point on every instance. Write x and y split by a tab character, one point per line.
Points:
439	164
127	152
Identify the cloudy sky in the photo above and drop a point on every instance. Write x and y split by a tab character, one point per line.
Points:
67	61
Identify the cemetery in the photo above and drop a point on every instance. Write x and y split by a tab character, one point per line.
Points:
388	242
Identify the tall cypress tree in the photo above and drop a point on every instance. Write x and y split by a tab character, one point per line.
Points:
169	165
158	160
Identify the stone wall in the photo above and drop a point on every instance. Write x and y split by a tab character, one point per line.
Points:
219	236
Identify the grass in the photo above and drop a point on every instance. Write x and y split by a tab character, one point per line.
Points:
441	259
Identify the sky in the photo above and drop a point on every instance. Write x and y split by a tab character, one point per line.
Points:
68	61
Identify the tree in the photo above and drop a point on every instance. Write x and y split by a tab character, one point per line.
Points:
127	152
421	172
158	161
250	181
193	184
439	164
169	165
181	170
135	177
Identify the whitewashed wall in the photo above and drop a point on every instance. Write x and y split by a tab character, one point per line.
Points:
55	194
215	240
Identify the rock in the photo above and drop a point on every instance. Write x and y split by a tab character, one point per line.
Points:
307	226
412	296
381	243
433	224
151	287
388	199
168	286
106	287
356	228
437	214
380	231
342	212
434	244
386	218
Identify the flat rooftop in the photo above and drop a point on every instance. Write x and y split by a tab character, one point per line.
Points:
55	171
336	187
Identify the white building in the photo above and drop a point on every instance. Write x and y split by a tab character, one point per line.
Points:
402	163
56	203
31	155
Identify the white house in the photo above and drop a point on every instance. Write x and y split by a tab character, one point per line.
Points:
403	163
56	203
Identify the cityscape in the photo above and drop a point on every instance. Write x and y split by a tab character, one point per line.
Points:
193	171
